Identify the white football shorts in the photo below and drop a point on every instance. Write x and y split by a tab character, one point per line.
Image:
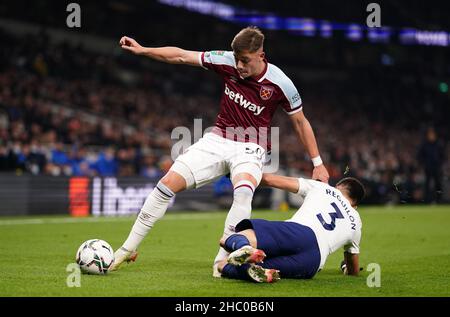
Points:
214	156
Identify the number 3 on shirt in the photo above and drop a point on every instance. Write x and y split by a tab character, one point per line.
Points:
333	215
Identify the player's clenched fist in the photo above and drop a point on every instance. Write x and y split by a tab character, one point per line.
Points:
130	44
320	173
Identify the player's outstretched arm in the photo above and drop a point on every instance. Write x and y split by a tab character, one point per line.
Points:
306	135
168	54
280	182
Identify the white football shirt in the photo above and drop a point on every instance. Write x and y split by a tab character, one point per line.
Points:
329	214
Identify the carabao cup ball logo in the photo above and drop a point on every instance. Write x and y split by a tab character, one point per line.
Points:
266	92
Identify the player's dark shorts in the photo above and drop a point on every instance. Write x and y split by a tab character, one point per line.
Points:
290	247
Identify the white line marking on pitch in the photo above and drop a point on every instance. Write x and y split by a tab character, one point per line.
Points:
40	221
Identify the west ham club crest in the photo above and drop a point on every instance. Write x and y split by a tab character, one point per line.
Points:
266	92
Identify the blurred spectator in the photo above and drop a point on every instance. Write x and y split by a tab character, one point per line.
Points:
106	164
8	160
80	165
431	158
58	156
150	168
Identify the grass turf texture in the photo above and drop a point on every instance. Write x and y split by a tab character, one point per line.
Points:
411	244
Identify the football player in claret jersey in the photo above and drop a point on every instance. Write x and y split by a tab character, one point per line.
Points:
252	91
264	251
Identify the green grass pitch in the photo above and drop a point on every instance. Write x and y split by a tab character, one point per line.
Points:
411	245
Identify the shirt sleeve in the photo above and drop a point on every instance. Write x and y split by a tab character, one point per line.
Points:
353	246
219	61
305	185
291	101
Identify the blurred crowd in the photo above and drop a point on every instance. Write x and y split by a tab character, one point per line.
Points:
68	111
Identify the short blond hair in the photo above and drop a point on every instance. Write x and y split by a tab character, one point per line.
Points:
249	39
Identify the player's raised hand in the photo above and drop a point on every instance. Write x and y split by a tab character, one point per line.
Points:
320	173
130	44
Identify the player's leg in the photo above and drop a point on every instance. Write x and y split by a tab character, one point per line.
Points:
242	248
244	184
155	207
199	165
245	166
249	272
256	238
303	265
291	248
176	180
248	238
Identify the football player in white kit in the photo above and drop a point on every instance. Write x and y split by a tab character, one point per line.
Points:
264	251
253	90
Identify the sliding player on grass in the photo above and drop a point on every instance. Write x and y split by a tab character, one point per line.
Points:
264	251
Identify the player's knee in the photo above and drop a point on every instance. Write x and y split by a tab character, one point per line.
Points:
174	181
169	179
245	177
247	171
179	177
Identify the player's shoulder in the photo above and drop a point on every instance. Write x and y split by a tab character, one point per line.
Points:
280	79
311	183
277	76
308	186
220	57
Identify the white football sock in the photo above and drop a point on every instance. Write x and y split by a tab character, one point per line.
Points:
154	208
240	209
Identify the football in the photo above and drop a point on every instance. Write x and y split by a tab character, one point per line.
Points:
95	256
